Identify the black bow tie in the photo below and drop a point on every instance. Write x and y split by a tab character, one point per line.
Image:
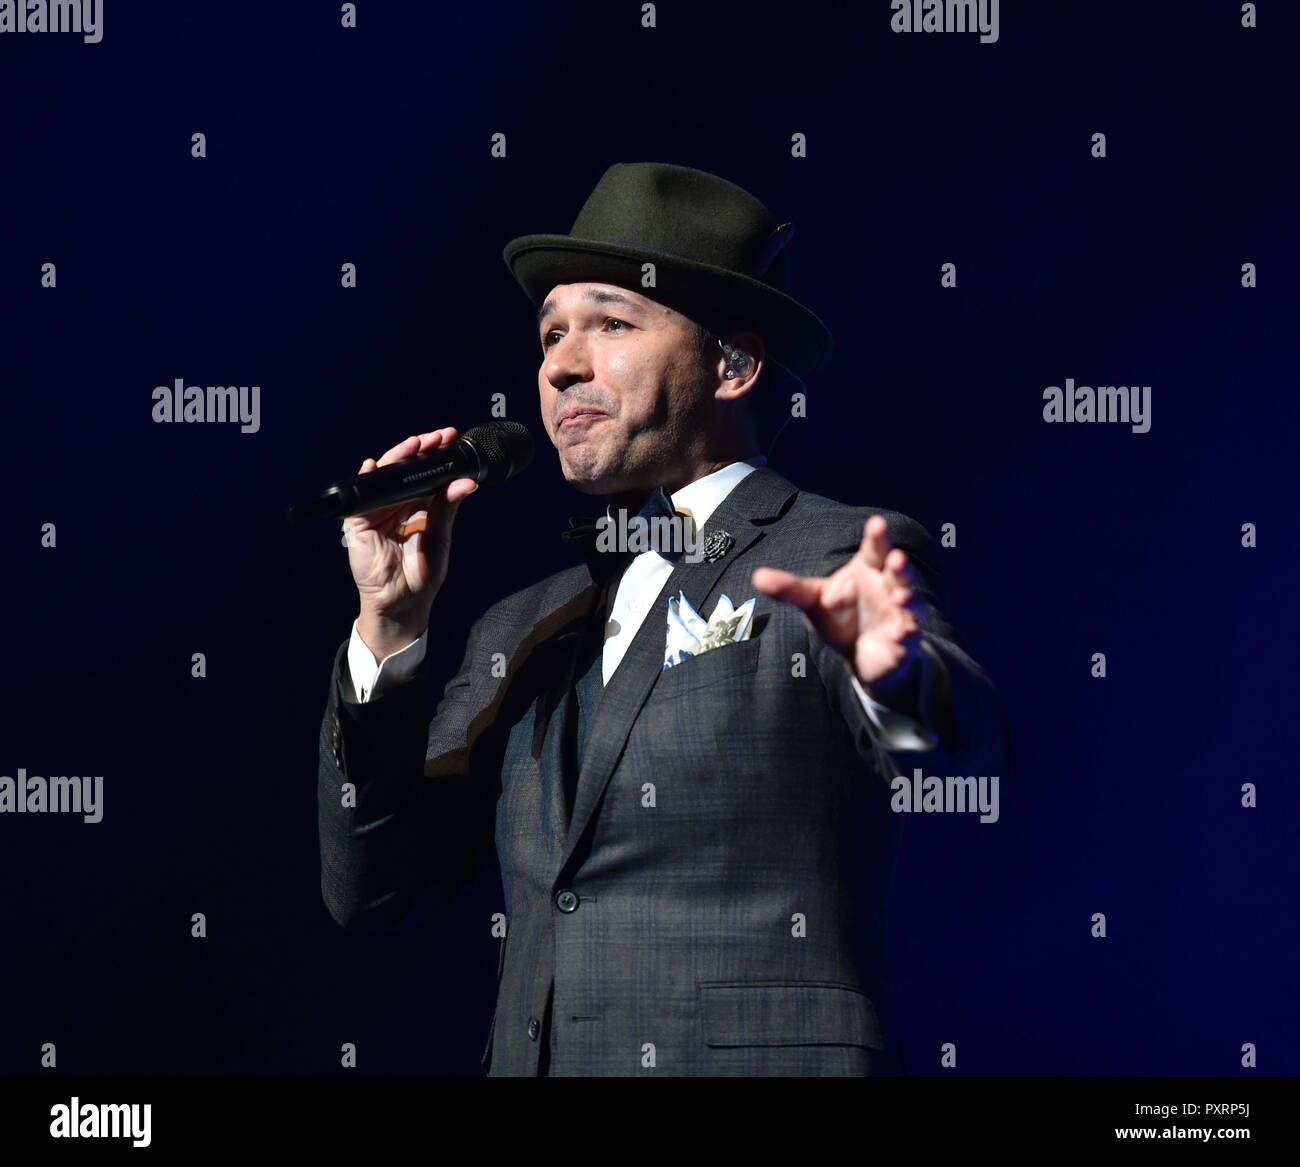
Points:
586	531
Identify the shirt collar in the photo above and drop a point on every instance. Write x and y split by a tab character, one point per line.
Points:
703	496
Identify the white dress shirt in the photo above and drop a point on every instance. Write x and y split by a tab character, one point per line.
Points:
638	589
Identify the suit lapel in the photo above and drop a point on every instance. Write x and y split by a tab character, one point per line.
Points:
757	500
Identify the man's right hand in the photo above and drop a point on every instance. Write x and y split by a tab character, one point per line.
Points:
398	554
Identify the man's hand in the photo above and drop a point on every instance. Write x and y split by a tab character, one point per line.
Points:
867	609
398	553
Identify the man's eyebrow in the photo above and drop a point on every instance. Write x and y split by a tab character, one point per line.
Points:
593	297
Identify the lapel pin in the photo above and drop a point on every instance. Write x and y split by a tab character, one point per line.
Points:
716	545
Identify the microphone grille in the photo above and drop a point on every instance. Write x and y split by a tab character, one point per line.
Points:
506	448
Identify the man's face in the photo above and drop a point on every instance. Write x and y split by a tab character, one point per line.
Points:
624	392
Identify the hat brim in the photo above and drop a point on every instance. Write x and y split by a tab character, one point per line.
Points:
715	297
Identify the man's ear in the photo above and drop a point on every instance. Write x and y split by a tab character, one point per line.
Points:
742	356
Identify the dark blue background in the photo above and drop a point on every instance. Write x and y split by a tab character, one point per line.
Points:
371	146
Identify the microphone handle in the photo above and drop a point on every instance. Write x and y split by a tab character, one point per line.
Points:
417	476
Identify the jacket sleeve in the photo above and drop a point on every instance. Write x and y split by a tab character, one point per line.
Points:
953	697
401	815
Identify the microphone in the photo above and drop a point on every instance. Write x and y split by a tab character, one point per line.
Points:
491	452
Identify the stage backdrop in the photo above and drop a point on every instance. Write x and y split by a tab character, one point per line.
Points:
308	201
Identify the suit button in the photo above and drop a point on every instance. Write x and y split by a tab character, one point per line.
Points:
566	901
534	1028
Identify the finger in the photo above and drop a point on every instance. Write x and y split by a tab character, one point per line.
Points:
903	629
898	563
909	599
906	596
417	443
442	518
460	489
419	521
898	570
875	542
803	592
404	449
435	438
415	524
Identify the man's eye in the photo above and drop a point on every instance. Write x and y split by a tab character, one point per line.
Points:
546	336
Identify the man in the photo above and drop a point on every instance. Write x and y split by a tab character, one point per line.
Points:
691	815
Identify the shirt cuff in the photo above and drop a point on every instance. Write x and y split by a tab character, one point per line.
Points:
897	731
370	677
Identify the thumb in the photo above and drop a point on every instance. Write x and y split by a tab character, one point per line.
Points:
456	492
808	594
434	520
801	591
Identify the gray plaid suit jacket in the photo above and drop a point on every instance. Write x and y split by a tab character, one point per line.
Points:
713	905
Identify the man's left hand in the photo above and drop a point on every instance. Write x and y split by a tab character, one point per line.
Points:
868	609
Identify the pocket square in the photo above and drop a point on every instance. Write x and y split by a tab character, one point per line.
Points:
689	634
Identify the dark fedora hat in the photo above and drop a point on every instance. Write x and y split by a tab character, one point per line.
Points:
718	253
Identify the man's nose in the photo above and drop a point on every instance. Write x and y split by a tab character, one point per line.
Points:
568	361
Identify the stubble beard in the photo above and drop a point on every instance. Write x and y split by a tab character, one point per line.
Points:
657	451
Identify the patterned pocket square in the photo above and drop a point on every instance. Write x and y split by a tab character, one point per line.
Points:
689	634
